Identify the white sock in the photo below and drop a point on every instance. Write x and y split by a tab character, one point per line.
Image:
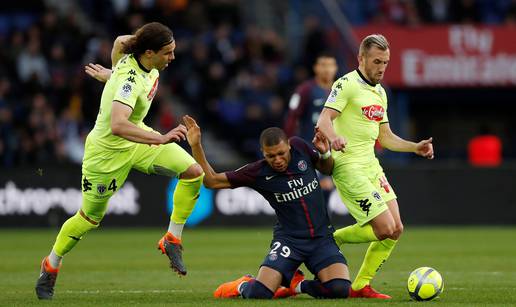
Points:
176	229
54	259
298	287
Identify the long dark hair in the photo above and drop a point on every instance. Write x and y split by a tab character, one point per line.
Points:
151	36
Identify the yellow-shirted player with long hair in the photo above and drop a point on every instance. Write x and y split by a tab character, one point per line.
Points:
353	118
120	141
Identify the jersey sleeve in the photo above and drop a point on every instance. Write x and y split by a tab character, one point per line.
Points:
128	86
385	118
340	94
306	148
244	176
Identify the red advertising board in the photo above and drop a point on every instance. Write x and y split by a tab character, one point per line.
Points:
455	55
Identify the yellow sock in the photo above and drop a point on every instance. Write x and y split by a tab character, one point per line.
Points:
355	234
70	234
376	255
185	196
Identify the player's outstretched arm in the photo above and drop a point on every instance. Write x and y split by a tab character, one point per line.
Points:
98	72
122	127
325	163
325	125
393	142
212	179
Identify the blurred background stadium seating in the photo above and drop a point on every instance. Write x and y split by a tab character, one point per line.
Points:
237	63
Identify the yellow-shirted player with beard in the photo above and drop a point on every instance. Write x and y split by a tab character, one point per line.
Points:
353	118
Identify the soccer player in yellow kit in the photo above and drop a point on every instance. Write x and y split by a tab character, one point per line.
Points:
120	141
353	118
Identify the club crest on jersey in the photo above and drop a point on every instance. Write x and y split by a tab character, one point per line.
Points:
302	165
373	112
153	90
101	188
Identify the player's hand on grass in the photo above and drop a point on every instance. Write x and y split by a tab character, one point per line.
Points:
320	141
425	149
194	131
175	135
98	72
339	143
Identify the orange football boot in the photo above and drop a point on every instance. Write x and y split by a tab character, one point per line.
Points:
230	288
367	292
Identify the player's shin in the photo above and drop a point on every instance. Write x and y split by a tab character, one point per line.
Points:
185	196
71	232
355	234
377	253
335	288
255	289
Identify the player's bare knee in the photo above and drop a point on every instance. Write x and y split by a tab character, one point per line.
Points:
384	232
397	232
194	171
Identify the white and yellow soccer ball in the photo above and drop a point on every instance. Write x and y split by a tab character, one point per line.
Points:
425	284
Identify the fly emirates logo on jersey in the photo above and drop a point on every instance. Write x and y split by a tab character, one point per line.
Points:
373	112
298	190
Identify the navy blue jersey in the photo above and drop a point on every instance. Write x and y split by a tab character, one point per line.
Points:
295	194
304	108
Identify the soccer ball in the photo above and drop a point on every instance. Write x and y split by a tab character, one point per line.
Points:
425	284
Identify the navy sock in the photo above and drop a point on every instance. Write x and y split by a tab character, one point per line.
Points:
335	288
255	289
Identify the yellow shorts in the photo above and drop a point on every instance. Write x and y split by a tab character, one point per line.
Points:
105	171
364	190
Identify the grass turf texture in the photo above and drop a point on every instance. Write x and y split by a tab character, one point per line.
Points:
122	267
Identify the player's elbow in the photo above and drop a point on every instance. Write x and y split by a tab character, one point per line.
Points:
116	128
212	182
120	40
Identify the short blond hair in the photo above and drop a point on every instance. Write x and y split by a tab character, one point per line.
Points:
373	40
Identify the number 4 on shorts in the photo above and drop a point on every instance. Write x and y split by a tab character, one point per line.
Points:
112	185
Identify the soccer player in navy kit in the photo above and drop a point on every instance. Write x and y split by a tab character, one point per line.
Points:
307	102
287	179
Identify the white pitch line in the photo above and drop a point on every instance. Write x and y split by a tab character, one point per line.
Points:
127	291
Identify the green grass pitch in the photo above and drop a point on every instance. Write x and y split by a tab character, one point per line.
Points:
122	267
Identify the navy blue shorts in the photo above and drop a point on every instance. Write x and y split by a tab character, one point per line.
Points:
287	254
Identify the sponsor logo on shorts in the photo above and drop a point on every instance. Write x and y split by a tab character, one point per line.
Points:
364	205
86	185
376	195
273	257
302	165
101	188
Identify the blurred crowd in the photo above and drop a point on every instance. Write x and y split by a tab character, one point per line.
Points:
416	12
230	72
